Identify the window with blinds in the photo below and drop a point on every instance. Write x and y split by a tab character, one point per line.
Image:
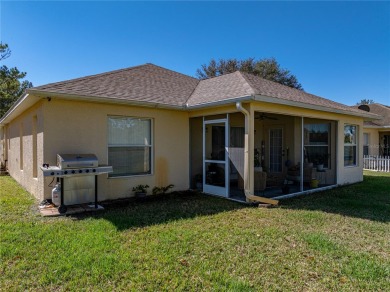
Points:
129	146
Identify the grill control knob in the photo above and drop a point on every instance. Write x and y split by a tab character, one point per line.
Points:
52	173
94	170
73	171
80	171
65	172
87	171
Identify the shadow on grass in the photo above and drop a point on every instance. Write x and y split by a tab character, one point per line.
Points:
131	213
369	199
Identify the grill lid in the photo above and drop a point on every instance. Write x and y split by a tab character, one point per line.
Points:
76	160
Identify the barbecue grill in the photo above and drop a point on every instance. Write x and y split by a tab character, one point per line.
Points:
76	170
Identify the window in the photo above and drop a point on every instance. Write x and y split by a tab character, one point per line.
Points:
366	143
129	146
317	144
350	145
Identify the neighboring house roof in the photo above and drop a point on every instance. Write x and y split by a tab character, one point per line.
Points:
145	83
153	85
381	110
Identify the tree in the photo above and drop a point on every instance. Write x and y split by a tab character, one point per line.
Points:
11	84
365	101
267	68
5	52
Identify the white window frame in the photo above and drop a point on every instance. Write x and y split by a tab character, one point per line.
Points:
356	144
151	146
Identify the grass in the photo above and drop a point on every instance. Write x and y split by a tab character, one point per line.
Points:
334	240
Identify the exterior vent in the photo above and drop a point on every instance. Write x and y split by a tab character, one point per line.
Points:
364	107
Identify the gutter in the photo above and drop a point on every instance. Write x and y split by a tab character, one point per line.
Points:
227	101
313	107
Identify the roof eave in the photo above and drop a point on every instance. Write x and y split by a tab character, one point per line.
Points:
104	99
269	99
228	101
24	102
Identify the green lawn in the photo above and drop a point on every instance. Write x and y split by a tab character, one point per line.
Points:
335	240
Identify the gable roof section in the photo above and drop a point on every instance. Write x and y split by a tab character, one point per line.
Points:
220	88
145	83
381	110
241	84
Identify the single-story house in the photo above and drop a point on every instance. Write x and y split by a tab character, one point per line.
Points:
376	134
235	136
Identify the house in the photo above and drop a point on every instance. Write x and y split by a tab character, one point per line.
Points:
376	134
159	127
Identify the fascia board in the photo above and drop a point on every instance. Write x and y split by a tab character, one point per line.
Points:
314	107
23	103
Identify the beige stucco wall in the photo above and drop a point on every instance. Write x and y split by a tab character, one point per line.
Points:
81	127
23	174
3	144
373	148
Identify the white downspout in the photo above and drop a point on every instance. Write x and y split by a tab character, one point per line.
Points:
246	148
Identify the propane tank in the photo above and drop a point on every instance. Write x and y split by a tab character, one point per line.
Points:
56	194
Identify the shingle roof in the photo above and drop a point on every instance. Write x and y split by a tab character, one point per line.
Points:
153	84
220	88
144	83
381	110
240	84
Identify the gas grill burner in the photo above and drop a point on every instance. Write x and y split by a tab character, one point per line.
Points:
72	165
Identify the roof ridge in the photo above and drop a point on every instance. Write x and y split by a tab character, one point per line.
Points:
93	75
88	77
219	76
172	71
192	92
246	80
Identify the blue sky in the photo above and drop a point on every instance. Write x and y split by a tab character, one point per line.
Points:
337	50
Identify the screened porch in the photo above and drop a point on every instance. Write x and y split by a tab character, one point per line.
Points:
290	154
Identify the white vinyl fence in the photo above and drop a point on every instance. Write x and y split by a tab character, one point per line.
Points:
378	163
